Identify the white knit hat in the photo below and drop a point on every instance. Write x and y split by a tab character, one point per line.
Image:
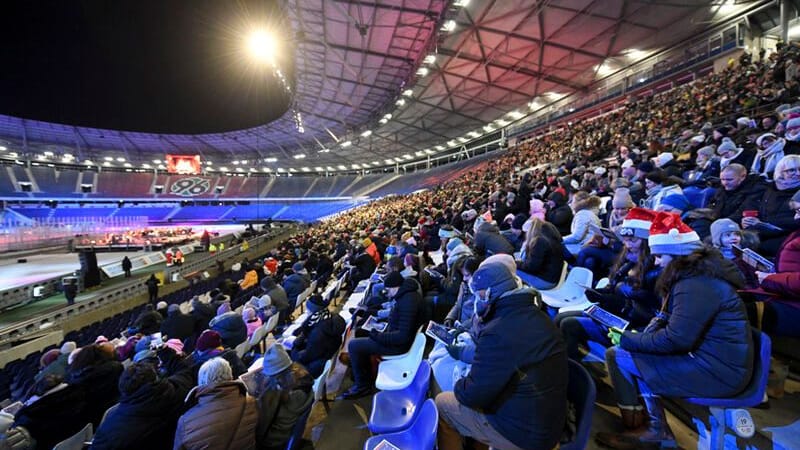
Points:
664	158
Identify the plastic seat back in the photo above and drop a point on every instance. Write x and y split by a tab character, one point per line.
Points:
76	441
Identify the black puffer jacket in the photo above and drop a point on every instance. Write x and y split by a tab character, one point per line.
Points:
314	347
707	345
403	320
730	204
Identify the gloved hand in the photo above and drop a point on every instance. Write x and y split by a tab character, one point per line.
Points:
384	313
615	334
455	350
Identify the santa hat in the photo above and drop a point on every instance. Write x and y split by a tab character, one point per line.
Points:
637	223
670	236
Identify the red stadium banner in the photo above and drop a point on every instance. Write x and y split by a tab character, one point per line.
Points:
183	164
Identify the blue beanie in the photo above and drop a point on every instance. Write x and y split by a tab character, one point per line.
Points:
495	276
677	201
453	243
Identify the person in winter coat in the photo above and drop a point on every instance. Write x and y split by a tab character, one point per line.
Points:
231	328
276	294
780	311
250	279
221	415
152	288
251	320
177	324
517	401
127	266
731	154
318	338
657	187
149	404
209	345
559	213
89	388
738	189
489	241
284	393
450	285
394	340
294	284
706	345
630	293
775	219
58	365
542	256
584	223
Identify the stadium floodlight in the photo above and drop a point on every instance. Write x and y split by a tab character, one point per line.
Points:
488	128
389	161
367	133
330	169
356	166
325	150
346	144
305	169
48	153
440	147
127	164
516	115
319	169
342	167
235	163
146	166
223	168
3	148
376	163
408	93
452	143
271	160
120	159
430	59
299	156
239	169
400	102
107	163
429	151
383	121
156	161
88	162
463	139
449	26
423	71
161	167
262	46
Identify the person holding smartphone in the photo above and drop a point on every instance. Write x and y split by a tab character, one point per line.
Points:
701	337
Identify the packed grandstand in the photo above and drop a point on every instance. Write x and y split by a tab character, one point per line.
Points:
619	275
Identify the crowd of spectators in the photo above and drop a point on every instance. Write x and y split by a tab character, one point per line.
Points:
609	193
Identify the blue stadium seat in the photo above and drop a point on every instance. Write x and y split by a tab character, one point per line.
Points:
421	435
394	411
581	393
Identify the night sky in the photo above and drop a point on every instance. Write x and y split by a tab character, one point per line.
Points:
166	66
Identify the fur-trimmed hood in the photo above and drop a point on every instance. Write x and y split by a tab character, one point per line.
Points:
591	202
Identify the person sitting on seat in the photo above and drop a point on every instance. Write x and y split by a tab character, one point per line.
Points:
220	415
698	219
542	256
294	284
770	215
151	395
705	345
284	390
630	293
319	337
586	208
397	338
510	399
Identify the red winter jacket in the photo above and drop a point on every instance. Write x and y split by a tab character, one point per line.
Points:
786	281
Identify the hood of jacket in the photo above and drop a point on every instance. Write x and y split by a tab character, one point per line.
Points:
708	262
488	227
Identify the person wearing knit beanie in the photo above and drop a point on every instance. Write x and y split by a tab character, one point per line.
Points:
725	234
675	203
68	347
671	237
276	360
493	279
208	340
215	370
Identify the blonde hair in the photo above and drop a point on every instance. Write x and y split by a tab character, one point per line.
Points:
787	162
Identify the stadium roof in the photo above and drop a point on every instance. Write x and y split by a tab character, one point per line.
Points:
378	79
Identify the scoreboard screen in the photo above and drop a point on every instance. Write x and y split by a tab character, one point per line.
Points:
183	164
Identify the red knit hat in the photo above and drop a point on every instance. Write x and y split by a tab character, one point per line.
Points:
208	339
670	236
637	223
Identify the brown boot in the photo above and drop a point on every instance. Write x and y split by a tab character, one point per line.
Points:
778	372
633	418
656	435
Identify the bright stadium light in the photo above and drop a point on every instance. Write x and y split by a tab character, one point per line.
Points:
346	144
262	46
367	133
